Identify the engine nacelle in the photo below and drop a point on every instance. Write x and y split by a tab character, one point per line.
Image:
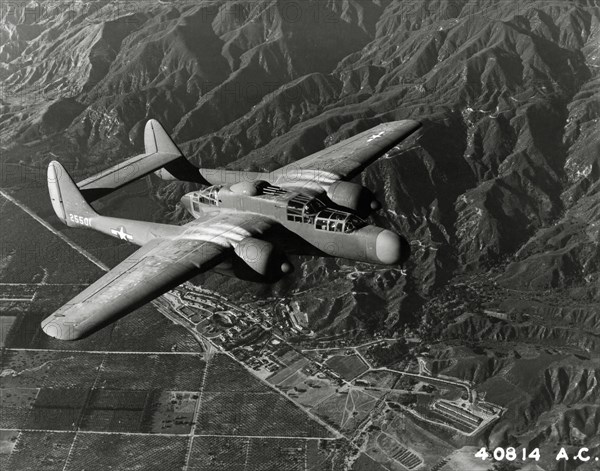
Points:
261	261
353	196
248	188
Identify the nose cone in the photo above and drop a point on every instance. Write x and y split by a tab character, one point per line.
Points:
389	248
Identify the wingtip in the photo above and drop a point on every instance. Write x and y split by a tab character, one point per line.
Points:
52	327
410	122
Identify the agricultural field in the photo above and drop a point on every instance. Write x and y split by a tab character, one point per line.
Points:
32	254
252	414
45	451
312	391
26	331
144	330
381	379
154	371
292	380
270	454
147	330
219	453
347	366
15	406
36	369
6	322
264	454
111	371
132	452
225	374
289	371
8	440
114	410
366	463
171	412
57	409
52	272
83	399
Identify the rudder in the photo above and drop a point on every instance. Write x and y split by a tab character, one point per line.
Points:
67	201
156	139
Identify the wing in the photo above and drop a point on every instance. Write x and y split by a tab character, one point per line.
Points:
349	157
159	266
154	269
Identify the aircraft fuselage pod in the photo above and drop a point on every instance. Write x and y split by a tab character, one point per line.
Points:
326	229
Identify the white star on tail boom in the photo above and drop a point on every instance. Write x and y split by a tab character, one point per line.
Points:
121	234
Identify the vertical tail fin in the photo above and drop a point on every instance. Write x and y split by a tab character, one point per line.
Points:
67	201
156	139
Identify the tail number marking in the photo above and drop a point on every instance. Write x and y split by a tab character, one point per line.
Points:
80	220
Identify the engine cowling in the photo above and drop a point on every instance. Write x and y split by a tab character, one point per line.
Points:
248	188
353	196
263	260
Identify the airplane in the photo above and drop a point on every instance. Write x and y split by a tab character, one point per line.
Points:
244	224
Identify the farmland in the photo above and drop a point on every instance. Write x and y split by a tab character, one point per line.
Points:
140	385
40	450
228	376
15	404
172	412
247	413
146	383
132	452
347	366
263	454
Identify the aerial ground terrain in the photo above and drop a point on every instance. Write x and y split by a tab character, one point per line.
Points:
488	337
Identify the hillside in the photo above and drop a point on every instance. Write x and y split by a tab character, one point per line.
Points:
499	191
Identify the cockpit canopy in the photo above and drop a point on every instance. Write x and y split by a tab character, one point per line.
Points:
209	195
338	221
302	208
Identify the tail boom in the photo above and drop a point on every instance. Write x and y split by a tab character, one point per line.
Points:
73	210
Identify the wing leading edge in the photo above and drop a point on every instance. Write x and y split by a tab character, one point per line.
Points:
157	267
154	269
347	158
341	161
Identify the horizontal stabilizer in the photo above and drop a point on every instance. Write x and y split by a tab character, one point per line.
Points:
160	151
